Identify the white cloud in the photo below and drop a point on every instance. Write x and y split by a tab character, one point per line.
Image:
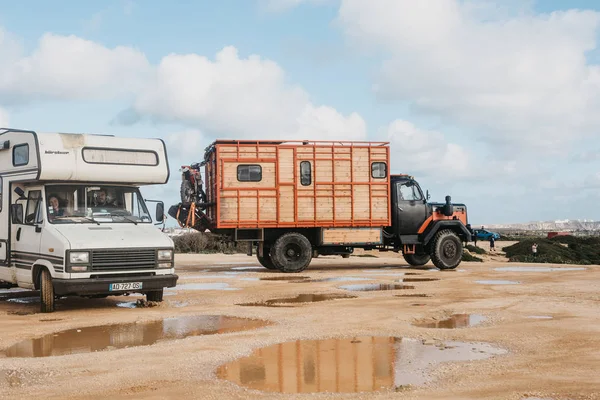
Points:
68	67
511	78
242	98
426	153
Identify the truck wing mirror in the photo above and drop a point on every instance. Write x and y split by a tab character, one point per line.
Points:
160	211
16	212
21	193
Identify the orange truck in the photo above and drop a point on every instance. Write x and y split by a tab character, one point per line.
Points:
295	200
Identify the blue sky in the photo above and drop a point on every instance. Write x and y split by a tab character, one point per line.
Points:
490	102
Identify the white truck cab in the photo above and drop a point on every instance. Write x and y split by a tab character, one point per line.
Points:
73	220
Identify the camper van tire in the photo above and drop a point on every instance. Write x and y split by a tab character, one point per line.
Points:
155	295
447	250
265	260
292	252
46	292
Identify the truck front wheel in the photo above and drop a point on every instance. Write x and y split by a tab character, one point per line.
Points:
292	252
417	260
46	292
265	260
447	250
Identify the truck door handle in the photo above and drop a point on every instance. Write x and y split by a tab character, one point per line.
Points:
18	234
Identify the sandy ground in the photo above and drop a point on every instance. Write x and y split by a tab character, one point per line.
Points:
557	358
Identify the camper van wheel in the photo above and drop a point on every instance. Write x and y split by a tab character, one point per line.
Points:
447	250
155	295
265	260
292	252
46	292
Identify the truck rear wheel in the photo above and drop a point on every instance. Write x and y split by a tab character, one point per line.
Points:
155	295
292	252
265	260
447	250
417	260
46	292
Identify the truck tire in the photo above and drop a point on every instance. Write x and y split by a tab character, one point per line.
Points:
291	252
265	260
155	295
417	260
46	292
186	191
446	250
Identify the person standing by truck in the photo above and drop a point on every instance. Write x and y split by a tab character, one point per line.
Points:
492	243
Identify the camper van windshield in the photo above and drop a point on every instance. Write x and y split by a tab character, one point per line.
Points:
70	204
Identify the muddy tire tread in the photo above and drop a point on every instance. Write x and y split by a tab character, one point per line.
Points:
436	257
46	292
278	257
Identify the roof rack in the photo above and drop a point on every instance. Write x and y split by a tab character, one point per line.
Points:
304	142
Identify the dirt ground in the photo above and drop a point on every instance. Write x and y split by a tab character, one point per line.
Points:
549	358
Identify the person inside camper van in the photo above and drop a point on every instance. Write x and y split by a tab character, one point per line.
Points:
102	200
55	207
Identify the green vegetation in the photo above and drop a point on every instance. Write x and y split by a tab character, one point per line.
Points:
469	257
203	242
558	250
475	249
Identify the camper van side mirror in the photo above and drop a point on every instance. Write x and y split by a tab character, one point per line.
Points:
16	212
160	211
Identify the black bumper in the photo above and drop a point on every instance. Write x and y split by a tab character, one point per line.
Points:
98	286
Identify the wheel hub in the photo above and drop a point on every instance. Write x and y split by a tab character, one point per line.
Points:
449	249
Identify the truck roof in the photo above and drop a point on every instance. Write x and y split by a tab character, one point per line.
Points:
303	142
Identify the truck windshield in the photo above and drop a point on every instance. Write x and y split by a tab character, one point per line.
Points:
71	204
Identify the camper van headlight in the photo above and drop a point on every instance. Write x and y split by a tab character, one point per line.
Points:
79	257
165	255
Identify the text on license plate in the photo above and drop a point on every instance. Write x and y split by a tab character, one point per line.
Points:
125	286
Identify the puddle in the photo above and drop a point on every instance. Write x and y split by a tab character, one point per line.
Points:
453	322
203	286
285	278
540	317
538	269
110	337
418	304
418	279
25	300
248	268
413	295
375	286
188	277
348	365
249	279
388	274
340	279
301	298
498	282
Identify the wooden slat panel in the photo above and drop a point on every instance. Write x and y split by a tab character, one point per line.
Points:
325	209
351	235
268	209
230	176
286	165
306	209
286	204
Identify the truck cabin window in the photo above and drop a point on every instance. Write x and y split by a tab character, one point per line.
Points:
249	173
21	155
378	170
408	191
75	204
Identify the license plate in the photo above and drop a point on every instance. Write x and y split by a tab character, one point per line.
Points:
125	286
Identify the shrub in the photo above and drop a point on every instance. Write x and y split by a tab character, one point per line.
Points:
475	249
204	242
469	257
577	251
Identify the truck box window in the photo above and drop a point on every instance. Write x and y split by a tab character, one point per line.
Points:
305	175
378	170
249	173
95	155
21	155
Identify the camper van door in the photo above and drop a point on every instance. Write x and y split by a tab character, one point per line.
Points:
26	237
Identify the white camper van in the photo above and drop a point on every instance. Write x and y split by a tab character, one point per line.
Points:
73	221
